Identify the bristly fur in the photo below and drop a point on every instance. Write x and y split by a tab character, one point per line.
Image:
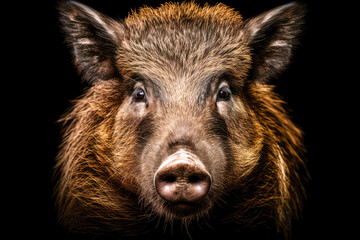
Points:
179	53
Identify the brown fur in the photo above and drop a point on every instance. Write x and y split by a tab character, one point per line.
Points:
112	146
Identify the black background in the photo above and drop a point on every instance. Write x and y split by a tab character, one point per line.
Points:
41	81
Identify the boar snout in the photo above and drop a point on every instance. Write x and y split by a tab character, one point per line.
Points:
182	178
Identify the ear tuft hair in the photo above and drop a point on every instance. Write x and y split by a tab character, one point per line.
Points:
93	38
272	37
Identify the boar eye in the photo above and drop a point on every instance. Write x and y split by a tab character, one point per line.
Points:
223	94
139	95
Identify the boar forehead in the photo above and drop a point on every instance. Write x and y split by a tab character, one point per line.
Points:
183	47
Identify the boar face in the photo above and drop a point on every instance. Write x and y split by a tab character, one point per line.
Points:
179	115
185	96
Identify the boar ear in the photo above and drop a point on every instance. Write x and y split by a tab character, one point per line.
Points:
93	38
272	37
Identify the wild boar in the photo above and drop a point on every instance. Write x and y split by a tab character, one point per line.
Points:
180	127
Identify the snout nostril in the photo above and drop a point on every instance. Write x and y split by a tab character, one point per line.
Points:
169	178
194	179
